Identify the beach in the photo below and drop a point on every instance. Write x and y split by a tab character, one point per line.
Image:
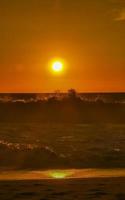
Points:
62	161
62	100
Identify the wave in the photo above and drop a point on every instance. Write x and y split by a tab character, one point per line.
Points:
51	146
36	97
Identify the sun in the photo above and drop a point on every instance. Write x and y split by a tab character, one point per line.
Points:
60	174
57	66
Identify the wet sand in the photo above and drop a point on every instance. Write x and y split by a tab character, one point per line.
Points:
64	189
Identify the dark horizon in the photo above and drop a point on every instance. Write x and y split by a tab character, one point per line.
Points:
108	92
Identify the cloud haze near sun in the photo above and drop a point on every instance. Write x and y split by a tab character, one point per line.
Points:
121	15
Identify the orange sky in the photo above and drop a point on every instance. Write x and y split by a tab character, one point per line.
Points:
88	35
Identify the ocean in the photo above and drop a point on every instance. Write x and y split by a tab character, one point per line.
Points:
61	146
37	146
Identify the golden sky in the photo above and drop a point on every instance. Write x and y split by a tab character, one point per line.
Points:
89	35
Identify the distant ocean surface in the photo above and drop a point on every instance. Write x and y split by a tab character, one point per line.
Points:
106	97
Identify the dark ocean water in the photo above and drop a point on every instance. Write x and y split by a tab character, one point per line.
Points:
36	145
57	146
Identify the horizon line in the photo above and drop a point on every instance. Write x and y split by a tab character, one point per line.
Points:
62	92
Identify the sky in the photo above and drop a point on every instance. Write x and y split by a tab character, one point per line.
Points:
88	35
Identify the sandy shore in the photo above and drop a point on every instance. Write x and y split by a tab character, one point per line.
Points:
64	189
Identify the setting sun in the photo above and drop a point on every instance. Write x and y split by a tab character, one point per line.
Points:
57	66
60	174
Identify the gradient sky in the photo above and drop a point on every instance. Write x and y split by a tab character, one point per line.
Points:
88	34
